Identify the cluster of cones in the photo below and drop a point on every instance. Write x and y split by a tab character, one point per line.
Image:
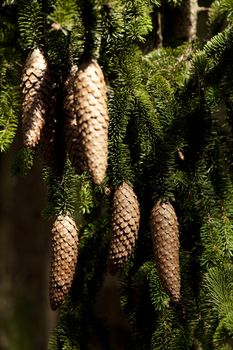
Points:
164	234
85	109
85	132
125	227
86	139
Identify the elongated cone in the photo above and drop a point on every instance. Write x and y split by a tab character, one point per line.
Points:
125	226
72	139
36	91
165	238
90	106
63	258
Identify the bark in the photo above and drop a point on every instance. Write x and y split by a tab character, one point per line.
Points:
181	23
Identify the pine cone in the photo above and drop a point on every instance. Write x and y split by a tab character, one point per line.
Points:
165	238
36	90
72	140
90	105
125	226
63	258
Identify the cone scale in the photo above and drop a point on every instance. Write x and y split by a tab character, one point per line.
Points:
90	108
64	253
36	91
125	226
165	238
72	139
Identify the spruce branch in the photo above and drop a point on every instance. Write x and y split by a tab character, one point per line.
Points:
31	23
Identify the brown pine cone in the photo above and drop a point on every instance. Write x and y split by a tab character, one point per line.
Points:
90	106
125	226
36	90
165	238
72	140
64	255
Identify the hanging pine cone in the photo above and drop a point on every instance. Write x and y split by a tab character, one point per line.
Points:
36	90
165	238
63	258
72	140
125	226
90	106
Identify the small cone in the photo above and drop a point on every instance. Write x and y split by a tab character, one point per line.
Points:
72	140
63	258
90	107
125	226
165	238
36	90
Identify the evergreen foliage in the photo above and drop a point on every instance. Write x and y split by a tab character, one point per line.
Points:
170	137
221	13
10	64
